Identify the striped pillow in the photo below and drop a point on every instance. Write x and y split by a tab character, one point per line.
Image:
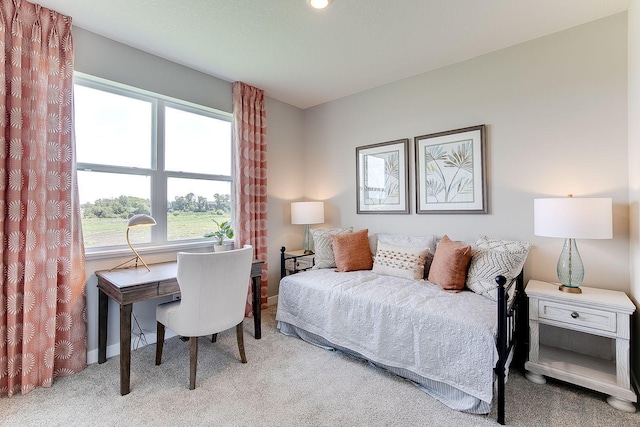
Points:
400	261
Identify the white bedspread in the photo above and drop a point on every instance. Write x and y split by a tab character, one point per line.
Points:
399	323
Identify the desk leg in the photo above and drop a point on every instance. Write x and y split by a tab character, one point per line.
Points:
125	348
103	313
257	281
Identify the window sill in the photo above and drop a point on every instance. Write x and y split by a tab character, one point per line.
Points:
98	253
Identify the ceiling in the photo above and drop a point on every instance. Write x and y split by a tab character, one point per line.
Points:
306	57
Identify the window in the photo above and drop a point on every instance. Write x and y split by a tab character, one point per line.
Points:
139	152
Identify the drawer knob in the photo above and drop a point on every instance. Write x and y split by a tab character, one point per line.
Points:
575	315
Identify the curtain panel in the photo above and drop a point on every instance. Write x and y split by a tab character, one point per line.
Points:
249	133
43	329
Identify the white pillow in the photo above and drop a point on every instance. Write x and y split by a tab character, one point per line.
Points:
491	258
399	261
423	242
373	244
513	246
323	247
486	264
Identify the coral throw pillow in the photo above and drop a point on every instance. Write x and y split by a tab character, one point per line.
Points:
450	263
351	251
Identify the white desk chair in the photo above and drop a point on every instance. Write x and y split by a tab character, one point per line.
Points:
213	289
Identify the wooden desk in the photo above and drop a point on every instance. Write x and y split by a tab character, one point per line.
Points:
128	285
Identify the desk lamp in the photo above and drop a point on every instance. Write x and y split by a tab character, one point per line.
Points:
572	218
307	213
139	220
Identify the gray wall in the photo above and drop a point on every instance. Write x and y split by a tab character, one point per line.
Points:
114	61
556	114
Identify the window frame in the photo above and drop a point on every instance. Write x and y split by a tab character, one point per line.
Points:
157	173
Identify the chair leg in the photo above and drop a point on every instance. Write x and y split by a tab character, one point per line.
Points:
193	361
159	342
214	337
240	336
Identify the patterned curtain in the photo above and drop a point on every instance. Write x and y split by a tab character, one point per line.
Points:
43	330
250	129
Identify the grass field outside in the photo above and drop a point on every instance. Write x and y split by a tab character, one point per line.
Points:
180	226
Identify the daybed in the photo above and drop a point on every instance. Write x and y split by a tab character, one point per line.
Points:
456	345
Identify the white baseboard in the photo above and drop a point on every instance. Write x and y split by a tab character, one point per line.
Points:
114	349
272	300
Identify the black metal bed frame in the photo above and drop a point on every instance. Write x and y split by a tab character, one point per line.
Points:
511	332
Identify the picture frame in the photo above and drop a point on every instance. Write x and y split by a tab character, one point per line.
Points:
382	180
450	171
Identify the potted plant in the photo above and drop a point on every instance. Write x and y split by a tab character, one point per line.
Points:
224	231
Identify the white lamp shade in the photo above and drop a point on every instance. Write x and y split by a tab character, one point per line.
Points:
307	213
573	218
141	220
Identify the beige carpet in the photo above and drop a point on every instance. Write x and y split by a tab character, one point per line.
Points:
287	382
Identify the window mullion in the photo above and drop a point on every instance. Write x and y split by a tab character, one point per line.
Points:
158	178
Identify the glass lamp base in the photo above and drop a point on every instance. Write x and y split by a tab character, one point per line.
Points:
307	242
570	268
570	289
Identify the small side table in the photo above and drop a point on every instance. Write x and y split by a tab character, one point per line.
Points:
595	311
292	262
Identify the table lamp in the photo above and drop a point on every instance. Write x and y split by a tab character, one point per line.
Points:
307	213
572	218
139	220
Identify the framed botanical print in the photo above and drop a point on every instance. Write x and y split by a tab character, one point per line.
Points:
451	172
382	179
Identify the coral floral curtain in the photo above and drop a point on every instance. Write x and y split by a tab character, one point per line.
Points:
250	142
42	312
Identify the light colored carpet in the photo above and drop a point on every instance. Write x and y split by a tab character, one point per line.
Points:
287	382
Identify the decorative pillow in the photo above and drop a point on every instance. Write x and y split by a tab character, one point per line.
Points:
373	244
495	257
420	242
427	264
323	248
513	246
399	261
351	251
449	266
486	264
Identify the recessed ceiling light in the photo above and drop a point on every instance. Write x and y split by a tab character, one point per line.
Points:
318	4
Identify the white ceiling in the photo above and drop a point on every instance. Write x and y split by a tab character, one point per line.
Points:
306	57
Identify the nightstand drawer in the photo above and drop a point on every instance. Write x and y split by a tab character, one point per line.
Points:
585	317
299	264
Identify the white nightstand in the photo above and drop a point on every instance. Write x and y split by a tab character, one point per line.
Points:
296	261
596	312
